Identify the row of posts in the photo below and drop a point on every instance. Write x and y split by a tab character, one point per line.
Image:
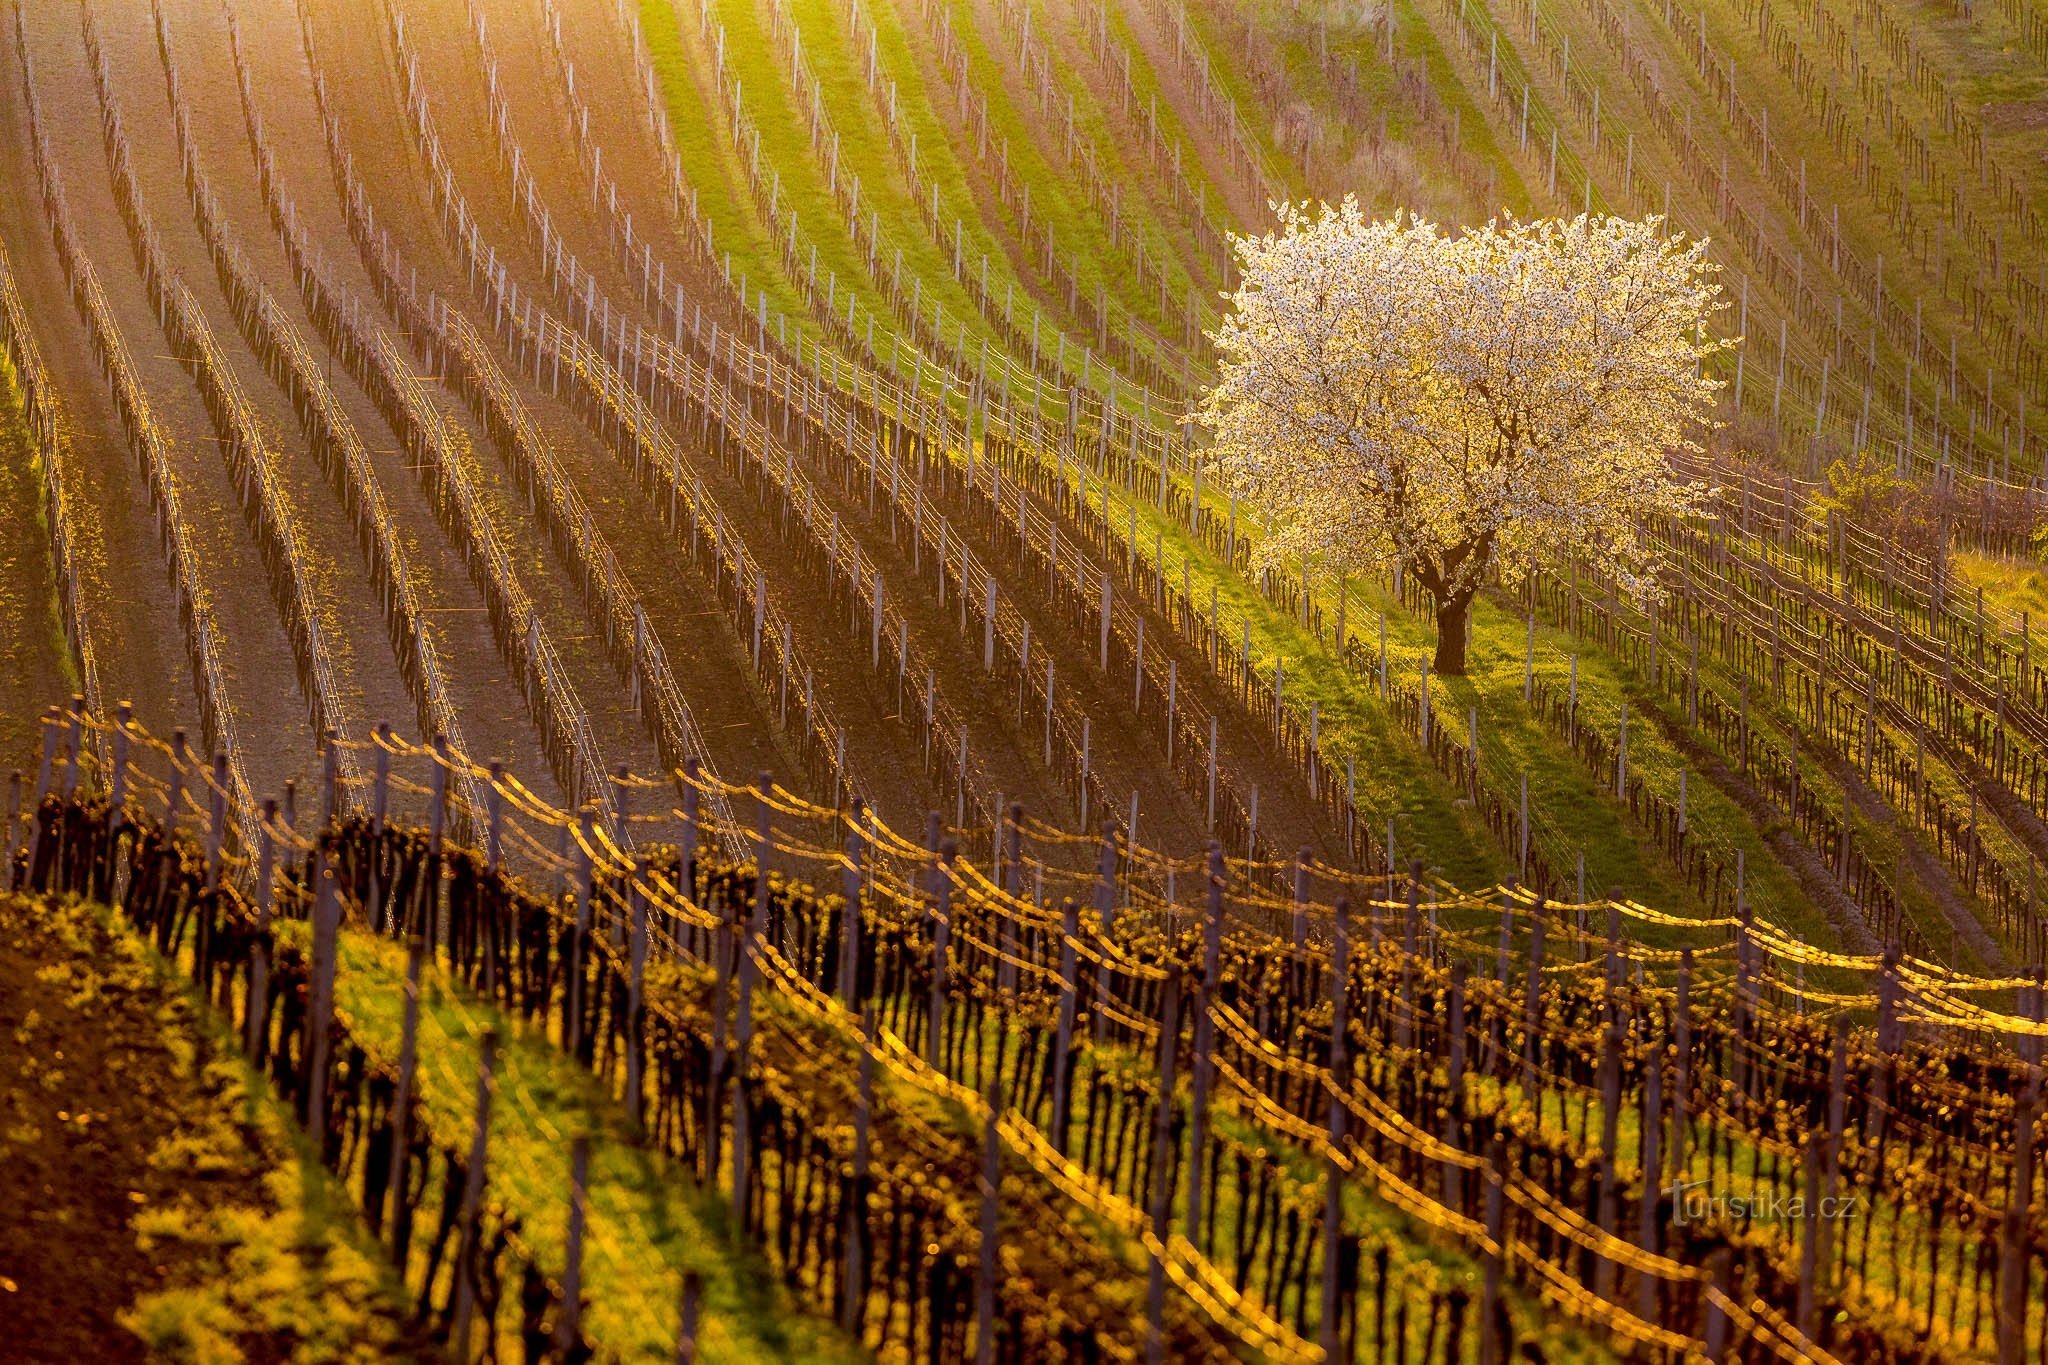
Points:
60	771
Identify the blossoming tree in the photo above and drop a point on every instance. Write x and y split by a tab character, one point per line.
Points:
1462	405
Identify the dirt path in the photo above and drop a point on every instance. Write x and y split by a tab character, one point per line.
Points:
260	670
1124	754
88	1081
885	747
1245	751
1795	854
366	672
137	1185
1956	904
130	604
361	86
481	688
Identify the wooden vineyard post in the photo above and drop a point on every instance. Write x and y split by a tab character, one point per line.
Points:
1333	1170
1532	1006
1011	832
1714	1331
13	825
464	1306
1138	672
1161	1200
693	797
256	1024
636	998
43	770
1299	928
326	929
1404	1033
1172	705
1652	1176
755	924
568	1323
117	789
1522	822
942	925
579	942
1107	602
1454	1080
1571	705
2015	1257
1681	1086
437	826
402	1099
217	820
988	626
686	1331
1210	827
1744	986
1820	1168
174	794
1063	1038
1105	877
1205	1045
330	777
722	947
986	1269
1529	662
1087	766
1492	1351
850	878
1472	753
74	744
1610	1121
747	931
380	800
1621	757
494	827
1423	695
1505	943
853	1287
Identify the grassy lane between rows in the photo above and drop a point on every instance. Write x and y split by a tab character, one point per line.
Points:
2010	584
649	1221
686	68
1574	810
1081	229
717	175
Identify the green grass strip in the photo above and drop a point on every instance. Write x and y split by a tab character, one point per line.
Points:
649	1221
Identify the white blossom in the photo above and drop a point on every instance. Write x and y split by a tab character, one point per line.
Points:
1462	405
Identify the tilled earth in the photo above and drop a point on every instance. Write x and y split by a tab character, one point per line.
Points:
155	1208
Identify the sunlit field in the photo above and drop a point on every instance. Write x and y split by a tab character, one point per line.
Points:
820	680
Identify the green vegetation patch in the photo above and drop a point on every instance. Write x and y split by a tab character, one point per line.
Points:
167	1205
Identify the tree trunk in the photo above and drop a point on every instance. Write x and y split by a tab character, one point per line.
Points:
1451	615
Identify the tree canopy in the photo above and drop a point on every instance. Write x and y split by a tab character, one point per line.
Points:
1462	404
